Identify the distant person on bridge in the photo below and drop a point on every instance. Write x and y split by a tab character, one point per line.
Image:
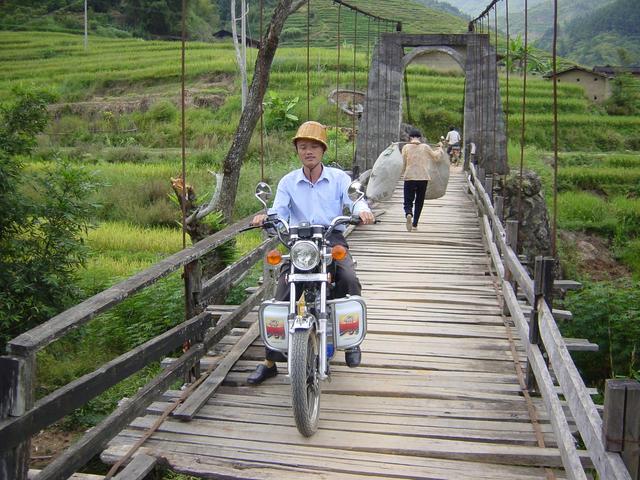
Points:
453	139
416	157
315	194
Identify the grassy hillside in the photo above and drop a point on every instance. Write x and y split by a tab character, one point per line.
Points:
117	115
415	18
119	18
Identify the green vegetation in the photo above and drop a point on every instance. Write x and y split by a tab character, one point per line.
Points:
118	117
609	313
153	19
43	219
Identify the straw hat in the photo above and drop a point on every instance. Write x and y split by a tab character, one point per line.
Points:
312	131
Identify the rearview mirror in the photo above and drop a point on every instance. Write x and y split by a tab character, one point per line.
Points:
263	193
356	191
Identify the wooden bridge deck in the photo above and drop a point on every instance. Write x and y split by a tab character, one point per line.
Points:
436	396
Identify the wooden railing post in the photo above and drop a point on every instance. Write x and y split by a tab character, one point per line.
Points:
498	205
480	175
192	288
16	397
621	422
192	291
542	289
511	240
488	185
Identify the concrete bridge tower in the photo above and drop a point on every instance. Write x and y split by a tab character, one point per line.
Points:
483	117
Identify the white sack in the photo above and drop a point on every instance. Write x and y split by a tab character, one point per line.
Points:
385	174
439	172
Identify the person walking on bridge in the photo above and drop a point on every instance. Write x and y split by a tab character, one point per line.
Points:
416	157
315	194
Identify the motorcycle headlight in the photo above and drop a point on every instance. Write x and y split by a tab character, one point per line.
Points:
305	255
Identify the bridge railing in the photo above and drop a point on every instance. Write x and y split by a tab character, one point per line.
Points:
540	333
21	416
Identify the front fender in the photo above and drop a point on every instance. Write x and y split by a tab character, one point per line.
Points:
302	322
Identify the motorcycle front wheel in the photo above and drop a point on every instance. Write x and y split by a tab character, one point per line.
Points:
305	384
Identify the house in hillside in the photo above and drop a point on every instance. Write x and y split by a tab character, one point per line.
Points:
596	85
613	71
224	34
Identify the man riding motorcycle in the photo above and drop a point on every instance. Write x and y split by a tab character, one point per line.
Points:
315	194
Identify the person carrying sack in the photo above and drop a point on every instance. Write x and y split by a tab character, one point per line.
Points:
416	157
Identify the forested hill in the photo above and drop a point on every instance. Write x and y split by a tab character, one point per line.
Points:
609	34
161	18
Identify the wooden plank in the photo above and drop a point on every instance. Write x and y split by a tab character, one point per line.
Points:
138	468
580	345
78	392
495	256
333	461
377	443
33	474
567	285
98	437
18	392
197	399
566	443
609	465
56	327
233	271
631	451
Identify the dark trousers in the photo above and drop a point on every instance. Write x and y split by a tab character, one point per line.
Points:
414	191
346	283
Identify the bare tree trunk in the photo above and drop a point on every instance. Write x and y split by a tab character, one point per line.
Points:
243	38
251	114
240	58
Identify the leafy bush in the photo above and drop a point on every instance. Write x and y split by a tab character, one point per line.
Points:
608	313
625	95
629	254
41	238
278	114
162	111
436	122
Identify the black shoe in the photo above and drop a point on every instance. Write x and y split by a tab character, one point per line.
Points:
261	373
353	356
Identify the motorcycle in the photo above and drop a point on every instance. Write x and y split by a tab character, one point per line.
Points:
311	326
453	151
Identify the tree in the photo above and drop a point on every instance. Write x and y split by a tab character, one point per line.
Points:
240	45
517	55
41	234
251	114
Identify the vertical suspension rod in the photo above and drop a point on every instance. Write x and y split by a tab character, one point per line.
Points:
338	84
524	113
554	231
353	102
308	59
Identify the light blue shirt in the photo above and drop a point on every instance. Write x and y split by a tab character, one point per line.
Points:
298	200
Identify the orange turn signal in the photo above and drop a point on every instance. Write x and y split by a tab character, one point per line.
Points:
339	252
274	257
